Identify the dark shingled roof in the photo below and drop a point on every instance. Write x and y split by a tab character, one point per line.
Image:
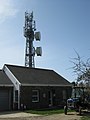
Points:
4	80
39	76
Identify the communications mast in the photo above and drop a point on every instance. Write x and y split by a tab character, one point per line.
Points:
30	34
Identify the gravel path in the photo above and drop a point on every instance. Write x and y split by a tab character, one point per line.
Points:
27	116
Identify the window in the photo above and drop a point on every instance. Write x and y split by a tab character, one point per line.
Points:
64	94
16	95
35	96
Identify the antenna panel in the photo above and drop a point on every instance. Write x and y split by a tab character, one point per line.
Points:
37	36
39	51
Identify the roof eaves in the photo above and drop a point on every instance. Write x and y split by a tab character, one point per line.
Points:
5	85
45	85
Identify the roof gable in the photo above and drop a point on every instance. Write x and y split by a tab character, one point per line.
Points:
36	76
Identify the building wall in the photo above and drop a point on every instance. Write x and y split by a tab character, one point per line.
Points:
48	97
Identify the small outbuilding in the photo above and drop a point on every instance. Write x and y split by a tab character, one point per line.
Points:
32	88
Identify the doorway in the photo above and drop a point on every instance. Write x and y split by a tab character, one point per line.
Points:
50	98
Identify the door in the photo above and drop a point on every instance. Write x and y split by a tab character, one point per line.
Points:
50	98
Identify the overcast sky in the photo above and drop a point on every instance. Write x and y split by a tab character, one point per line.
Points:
64	26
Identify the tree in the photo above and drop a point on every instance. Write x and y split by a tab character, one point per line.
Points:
81	69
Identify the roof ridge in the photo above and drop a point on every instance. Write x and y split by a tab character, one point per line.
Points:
29	67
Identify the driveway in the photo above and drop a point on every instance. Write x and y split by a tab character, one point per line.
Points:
28	116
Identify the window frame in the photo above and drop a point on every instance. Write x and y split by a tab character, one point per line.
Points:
64	94
35	96
16	96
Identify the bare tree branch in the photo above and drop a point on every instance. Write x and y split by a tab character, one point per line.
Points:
81	68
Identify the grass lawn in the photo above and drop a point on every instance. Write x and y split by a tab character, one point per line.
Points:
56	111
85	118
47	112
